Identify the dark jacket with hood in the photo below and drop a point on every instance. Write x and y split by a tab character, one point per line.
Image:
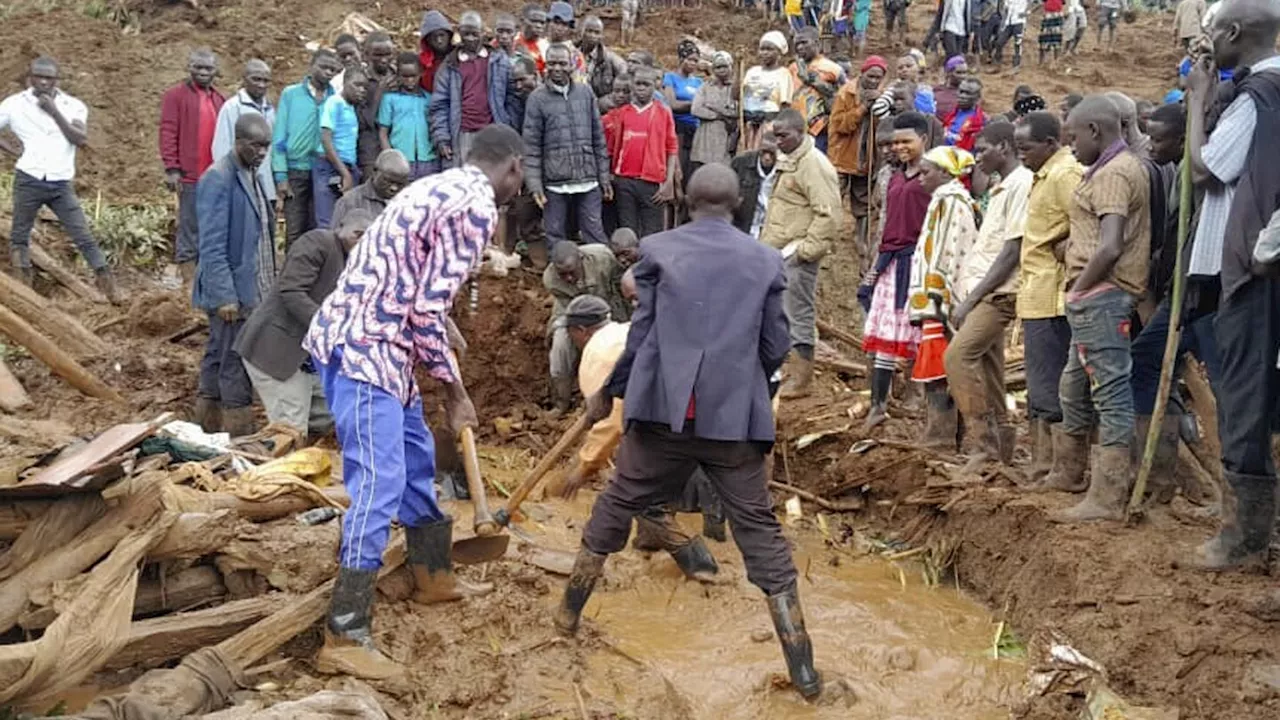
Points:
563	137
445	112
432	20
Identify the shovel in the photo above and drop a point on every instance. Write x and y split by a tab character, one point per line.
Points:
487	544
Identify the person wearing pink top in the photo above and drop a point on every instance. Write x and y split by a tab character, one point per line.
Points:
388	314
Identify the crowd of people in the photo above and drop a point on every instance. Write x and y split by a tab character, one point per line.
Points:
679	220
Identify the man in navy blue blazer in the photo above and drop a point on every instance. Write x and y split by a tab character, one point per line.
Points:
707	335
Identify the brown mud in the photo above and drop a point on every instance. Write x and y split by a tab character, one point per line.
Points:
1203	644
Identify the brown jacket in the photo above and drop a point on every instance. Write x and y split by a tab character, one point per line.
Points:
805	206
851	131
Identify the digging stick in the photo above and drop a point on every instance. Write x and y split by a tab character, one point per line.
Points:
569	438
484	524
1171	340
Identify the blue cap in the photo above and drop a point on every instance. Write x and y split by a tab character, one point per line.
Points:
561	11
1173	97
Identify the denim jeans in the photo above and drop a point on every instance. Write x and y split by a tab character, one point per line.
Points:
323	195
585	206
1148	354
1095	384
30	194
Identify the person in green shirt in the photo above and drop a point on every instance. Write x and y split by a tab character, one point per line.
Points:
295	137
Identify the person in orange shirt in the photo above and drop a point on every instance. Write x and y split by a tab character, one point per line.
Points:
816	80
532	40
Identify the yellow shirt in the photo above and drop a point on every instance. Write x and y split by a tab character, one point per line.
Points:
1042	277
598	358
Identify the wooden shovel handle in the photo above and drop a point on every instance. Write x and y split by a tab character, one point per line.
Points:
568	438
484	524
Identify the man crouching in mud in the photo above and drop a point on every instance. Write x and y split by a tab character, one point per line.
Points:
707	335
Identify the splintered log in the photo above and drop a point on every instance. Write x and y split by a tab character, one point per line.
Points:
190	588
159	640
826	328
85	549
65	277
840	365
13	396
62	328
51	530
45	350
194	535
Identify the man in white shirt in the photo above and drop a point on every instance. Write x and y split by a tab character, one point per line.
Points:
987	290
252	98
955	26
51	125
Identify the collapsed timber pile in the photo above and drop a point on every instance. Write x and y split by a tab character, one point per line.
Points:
142	547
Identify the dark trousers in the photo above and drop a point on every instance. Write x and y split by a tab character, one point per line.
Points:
299	214
1047	342
1248	335
636	208
30	194
187	245
584	206
1010	32
684	138
1148	354
953	44
654	464
324	190
222	374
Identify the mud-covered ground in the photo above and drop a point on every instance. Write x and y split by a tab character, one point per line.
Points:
1203	644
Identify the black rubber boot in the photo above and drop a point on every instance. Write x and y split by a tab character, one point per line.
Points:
430	558
587	569
788	622
696	561
348	643
1248	520
881	383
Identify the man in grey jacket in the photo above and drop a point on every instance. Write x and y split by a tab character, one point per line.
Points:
706	336
566	163
270	344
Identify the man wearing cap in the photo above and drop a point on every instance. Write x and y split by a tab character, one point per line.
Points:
576	271
601	342
470	92
560	25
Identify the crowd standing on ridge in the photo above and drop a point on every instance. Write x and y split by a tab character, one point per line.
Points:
679	220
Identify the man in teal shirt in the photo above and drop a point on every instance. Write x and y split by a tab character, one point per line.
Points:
334	170
294	141
402	119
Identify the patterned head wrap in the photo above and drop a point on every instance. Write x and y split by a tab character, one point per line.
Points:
953	63
953	160
776	39
686	48
721	58
1029	104
920	58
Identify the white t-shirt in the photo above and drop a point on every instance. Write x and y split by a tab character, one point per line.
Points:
953	18
46	152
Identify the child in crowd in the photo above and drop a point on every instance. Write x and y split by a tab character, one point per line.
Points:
402	118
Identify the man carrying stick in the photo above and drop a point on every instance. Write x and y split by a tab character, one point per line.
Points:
389	313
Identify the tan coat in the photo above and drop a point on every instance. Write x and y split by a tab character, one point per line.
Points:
805	206
1186	21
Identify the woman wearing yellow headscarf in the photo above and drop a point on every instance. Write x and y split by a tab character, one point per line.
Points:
949	231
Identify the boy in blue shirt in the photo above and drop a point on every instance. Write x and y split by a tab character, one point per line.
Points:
334	170
402	119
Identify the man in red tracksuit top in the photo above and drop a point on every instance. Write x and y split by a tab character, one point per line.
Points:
188	118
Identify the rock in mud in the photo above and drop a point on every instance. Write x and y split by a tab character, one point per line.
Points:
901	658
761	635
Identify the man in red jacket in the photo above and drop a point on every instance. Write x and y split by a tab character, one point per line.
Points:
188	118
645	161
965	122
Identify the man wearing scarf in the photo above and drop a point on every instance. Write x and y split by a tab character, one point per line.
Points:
1106	269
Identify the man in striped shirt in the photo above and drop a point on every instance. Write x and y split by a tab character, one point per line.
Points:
389	313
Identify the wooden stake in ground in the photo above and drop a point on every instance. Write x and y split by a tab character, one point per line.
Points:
47	352
1171	340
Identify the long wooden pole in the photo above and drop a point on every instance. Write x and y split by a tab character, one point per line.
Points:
44	349
1172	338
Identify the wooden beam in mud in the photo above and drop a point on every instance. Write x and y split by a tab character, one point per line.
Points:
42	314
65	277
58	360
159	640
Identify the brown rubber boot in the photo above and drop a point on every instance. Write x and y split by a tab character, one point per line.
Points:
800	382
238	422
1248	521
587	569
106	282
430	558
1108	489
207	414
348	635
1007	441
1070	460
1041	450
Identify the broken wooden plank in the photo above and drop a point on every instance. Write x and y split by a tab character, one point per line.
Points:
73	471
47	352
825	504
843	366
43	315
13	397
65	277
185	590
51	530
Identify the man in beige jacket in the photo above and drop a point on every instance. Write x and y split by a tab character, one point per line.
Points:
803	220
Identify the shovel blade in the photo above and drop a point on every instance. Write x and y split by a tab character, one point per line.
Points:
476	550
